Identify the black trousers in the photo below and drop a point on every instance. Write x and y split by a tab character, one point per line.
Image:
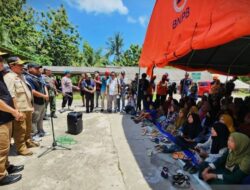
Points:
67	99
89	102
160	99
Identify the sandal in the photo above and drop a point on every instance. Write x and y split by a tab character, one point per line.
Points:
182	183
180	176
156	140
164	172
165	140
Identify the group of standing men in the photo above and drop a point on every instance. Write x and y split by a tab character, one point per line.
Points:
23	100
110	86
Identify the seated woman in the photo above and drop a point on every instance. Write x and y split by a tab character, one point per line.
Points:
179	122
216	145
171	116
191	129
233	166
228	121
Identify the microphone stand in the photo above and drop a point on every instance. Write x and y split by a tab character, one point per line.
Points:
54	145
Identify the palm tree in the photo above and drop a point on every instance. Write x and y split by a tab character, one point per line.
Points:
114	47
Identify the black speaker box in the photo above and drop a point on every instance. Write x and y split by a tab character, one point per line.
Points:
75	125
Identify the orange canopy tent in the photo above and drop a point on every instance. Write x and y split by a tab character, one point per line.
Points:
199	34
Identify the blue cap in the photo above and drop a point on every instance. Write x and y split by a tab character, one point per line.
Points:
66	72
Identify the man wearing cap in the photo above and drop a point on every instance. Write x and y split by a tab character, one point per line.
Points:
51	86
41	96
22	99
89	87
7	115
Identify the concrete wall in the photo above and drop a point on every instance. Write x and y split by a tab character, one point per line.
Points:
175	75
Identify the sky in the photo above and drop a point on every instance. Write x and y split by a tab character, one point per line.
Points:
97	20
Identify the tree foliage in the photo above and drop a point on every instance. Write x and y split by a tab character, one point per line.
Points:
131	56
60	38
115	47
48	37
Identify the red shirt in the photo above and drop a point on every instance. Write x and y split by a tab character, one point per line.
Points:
162	88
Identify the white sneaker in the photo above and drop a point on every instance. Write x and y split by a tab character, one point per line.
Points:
36	138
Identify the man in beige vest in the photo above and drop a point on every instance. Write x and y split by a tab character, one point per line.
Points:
22	99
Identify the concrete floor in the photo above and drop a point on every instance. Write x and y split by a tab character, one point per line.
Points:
110	154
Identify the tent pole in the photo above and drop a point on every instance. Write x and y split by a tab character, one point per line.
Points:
137	95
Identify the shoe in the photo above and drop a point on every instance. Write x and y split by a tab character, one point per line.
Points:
164	172
14	169
43	134
46	118
9	179
62	110
36	138
26	152
32	144
102	110
53	115
69	109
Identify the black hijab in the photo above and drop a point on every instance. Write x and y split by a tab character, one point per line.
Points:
220	141
192	130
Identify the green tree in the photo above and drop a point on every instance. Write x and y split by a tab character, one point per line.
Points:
60	38
114	47
131	56
18	28
93	57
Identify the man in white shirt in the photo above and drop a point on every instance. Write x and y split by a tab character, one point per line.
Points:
113	90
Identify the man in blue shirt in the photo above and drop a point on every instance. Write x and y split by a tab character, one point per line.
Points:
41	96
185	85
89	87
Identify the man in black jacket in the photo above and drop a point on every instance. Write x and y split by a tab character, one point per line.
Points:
7	115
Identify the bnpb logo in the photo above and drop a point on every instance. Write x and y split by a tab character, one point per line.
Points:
179	5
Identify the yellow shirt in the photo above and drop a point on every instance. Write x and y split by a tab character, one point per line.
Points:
19	90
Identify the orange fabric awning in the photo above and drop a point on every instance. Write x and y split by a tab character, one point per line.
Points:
179	26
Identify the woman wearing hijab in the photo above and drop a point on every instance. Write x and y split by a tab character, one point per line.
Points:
216	145
191	130
233	166
228	121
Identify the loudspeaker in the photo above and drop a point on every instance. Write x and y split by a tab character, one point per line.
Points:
75	125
